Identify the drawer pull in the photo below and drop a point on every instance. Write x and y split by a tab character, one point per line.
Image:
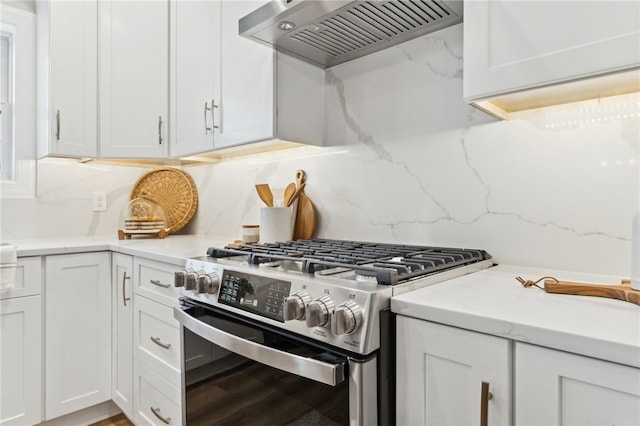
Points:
158	342
156	411
159	284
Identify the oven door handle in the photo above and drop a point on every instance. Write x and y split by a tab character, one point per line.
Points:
329	374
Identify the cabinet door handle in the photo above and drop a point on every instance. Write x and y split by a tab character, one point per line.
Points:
213	105
485	396
57	125
159	284
156	411
207	129
124	294
158	342
160	130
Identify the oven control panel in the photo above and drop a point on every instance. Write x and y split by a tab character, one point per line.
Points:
316	308
260	295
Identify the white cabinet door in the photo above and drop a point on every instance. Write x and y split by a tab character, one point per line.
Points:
440	374
122	333
78	332
134	78
20	361
246	111
559	388
73	80
195	74
514	45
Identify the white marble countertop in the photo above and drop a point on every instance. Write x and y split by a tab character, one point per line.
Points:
173	249
493	302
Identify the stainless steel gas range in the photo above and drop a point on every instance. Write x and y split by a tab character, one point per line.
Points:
300	333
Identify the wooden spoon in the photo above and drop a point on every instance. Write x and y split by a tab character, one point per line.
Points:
265	194
295	195
305	225
288	193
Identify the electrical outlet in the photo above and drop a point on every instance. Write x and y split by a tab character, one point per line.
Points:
99	201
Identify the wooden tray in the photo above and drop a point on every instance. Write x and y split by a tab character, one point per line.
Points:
174	190
156	233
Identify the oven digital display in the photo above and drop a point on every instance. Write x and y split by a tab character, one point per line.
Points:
260	295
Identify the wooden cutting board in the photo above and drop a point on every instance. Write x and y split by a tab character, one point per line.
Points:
620	292
305	225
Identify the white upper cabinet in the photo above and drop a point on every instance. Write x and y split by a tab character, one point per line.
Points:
134	78
263	94
195	70
512	46
166	78
246	108
69	91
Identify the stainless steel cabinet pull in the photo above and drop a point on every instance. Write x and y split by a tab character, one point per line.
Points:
160	130
485	396
158	342
213	105
124	295
57	125
156	411
159	284
207	129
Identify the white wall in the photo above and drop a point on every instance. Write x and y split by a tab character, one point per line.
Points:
409	161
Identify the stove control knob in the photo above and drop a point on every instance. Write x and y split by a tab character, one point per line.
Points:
346	318
191	281
180	277
208	283
319	312
294	305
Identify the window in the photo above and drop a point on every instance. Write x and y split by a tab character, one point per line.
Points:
17	103
6	102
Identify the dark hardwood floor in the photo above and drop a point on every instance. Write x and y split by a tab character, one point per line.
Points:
119	420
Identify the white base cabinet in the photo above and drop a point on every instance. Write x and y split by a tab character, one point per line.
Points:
78	332
440	370
559	388
122	332
157	401
20	361
440	374
21	346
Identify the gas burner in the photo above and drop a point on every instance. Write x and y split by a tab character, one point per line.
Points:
386	264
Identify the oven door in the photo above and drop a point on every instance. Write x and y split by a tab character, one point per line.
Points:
240	374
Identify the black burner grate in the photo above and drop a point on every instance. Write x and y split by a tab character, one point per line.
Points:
388	263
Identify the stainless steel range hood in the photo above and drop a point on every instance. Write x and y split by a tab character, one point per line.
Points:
330	32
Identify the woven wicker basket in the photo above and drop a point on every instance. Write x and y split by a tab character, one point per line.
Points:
174	190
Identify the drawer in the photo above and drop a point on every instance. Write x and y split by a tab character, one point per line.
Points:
28	279
154	280
156	336
157	402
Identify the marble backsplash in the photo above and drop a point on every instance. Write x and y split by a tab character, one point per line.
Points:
408	161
